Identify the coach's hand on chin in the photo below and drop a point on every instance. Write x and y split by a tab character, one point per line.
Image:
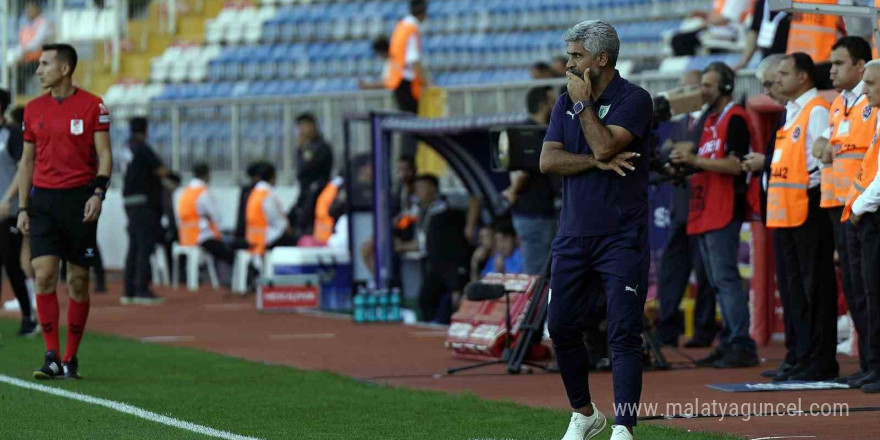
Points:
93	209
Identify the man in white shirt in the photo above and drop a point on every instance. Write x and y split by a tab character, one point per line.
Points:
861	211
841	150
198	217
405	74
804	228
267	224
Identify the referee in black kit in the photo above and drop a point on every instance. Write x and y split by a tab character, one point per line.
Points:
65	172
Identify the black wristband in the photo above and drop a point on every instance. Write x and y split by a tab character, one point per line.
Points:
100	182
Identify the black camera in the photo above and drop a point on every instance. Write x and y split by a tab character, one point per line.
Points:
517	147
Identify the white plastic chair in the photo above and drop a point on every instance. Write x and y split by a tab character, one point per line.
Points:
159	265
243	259
194	257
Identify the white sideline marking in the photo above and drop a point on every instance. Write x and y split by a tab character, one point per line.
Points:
785	437
168	339
125	408
305	336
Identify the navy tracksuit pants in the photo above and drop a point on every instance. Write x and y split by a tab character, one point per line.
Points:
582	268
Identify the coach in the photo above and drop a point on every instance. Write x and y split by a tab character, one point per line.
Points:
67	161
595	130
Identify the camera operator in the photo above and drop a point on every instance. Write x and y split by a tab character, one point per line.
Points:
717	206
531	194
680	255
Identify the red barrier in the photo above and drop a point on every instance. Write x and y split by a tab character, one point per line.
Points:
766	307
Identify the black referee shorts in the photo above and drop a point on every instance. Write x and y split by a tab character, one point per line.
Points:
57	226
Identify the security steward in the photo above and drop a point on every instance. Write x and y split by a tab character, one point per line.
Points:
842	148
861	212
793	211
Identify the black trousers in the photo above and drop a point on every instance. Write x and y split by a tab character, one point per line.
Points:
680	257
857	296
809	257
219	250
439	280
784	285
408	103
869	232
143	230
10	259
404	97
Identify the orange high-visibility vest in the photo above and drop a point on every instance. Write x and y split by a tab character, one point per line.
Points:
787	199
27	34
851	133
813	34
397	57
718	8
255	220
324	222
866	174
874	46
189	228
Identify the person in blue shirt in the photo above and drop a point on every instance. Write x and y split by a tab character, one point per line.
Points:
598	140
507	259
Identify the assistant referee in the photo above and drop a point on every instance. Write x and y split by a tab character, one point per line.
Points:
597	132
65	172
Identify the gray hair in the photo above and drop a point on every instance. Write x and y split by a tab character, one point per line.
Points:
768	63
596	36
872	63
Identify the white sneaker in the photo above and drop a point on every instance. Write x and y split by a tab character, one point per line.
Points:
12	304
619	432
582	427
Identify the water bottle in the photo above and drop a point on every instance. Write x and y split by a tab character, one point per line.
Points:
370	309
394	305
382	314
359	300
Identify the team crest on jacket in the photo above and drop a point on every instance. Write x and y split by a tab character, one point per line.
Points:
866	113
797	133
76	126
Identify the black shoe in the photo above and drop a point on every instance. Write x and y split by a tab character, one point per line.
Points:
697	343
71	369
812	375
737	358
871	388
51	367
783	376
871	377
770	374
147	298
28	329
852	377
708	361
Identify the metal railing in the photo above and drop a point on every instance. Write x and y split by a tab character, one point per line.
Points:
229	134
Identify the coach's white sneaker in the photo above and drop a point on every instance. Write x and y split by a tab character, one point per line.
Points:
582	427
620	433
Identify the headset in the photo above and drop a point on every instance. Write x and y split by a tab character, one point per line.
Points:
726	81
